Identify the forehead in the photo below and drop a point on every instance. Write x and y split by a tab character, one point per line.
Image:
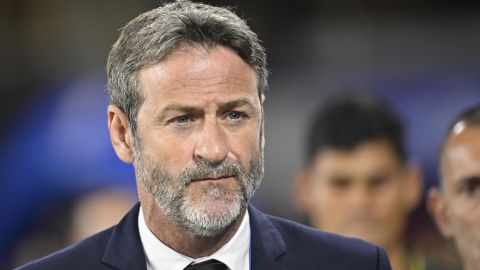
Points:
368	157
462	154
195	72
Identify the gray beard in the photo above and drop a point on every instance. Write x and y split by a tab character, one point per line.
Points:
172	197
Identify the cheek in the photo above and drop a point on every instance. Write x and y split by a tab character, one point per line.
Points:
325	210
326	200
244	146
169	152
391	195
465	213
392	210
388	199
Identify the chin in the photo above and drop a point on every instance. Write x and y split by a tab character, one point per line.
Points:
212	218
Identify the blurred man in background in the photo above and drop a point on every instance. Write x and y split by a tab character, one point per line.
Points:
456	205
357	181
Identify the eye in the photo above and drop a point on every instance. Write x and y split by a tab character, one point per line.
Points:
182	120
378	181
235	116
340	183
472	185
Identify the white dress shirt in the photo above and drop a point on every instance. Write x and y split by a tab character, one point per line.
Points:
235	253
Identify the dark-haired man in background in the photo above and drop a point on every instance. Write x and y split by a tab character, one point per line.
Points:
357	181
456	205
186	85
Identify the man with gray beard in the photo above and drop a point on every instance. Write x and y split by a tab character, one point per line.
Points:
186	84
455	206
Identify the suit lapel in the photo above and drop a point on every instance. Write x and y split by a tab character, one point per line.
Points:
267	244
124	249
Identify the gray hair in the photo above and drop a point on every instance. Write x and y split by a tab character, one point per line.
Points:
152	36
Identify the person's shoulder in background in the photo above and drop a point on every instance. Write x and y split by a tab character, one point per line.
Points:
309	248
86	254
330	249
116	245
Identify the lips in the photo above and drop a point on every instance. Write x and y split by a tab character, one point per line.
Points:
213	178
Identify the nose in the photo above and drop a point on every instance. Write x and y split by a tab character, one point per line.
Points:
360	199
211	143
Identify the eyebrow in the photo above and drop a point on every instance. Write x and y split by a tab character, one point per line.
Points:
180	108
186	109
338	176
192	109
237	103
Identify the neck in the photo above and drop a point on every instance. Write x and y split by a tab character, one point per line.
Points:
398	256
179	238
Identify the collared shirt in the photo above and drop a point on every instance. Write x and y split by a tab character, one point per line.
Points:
235	253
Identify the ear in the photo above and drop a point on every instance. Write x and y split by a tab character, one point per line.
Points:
302	190
120	133
262	121
437	208
414	186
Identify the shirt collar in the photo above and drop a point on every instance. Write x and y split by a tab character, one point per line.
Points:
235	253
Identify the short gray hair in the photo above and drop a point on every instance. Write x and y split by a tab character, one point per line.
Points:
149	38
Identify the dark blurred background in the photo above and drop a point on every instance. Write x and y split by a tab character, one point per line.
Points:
422	56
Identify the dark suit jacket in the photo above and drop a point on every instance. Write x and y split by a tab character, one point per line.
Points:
276	244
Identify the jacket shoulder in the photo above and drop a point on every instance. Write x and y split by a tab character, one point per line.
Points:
86	254
328	248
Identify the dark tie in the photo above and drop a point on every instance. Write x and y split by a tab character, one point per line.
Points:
207	265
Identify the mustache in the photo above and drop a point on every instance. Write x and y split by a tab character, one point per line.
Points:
205	169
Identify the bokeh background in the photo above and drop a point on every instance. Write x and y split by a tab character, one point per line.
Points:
423	56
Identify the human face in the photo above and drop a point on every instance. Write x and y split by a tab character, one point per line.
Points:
360	193
461	194
198	145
